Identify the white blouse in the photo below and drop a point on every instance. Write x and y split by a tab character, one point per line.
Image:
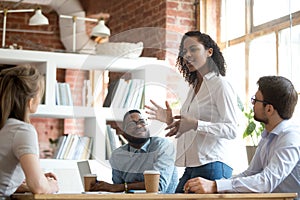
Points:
215	106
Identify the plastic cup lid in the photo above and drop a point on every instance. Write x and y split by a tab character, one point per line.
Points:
90	175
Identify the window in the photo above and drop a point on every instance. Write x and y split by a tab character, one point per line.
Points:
236	66
289	51
269	39
232	24
263	12
262	59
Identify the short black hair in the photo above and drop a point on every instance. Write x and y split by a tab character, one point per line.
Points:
129	113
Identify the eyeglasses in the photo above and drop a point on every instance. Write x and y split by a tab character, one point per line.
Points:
254	100
133	124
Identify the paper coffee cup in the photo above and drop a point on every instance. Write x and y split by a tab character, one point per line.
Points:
88	180
151	178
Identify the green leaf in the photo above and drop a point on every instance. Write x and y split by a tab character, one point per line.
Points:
253	129
249	129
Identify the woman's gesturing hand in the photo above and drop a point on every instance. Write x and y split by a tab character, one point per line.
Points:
159	113
181	125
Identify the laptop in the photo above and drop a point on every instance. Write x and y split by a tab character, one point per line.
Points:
84	169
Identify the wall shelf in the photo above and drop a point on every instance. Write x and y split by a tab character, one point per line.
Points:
74	61
151	70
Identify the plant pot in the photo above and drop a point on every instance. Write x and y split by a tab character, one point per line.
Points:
250	152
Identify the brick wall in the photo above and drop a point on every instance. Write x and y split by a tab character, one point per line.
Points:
75	78
180	18
42	38
134	21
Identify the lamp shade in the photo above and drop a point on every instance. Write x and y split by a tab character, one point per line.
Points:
101	30
38	19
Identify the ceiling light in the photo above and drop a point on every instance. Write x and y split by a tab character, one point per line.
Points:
101	30
37	19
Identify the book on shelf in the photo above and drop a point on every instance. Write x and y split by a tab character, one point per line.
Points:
112	140
87	94
63	148
63	94
69	95
137	94
120	92
87	144
107	147
73	147
140	102
68	144
57	96
60	143
43	99
111	91
130	94
125	94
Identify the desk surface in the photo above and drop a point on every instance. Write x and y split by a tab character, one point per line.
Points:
250	196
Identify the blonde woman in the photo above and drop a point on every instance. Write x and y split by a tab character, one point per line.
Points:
21	89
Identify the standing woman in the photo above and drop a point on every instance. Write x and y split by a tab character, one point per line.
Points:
21	89
208	117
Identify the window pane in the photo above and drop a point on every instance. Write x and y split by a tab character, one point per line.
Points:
262	60
264	12
289	51
232	19
235	60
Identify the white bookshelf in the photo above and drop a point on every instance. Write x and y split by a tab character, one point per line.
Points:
95	119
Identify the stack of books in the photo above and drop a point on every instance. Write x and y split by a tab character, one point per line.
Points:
63	94
111	140
73	147
125	94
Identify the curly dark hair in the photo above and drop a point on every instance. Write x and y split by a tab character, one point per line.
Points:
217	63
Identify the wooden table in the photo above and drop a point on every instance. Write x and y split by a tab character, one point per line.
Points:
248	196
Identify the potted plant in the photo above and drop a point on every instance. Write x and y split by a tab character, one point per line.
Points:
253	130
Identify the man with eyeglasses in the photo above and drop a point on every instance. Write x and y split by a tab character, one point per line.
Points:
275	166
142	153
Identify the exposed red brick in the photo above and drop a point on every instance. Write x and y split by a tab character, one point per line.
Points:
172	5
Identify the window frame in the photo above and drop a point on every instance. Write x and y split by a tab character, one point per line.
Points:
251	32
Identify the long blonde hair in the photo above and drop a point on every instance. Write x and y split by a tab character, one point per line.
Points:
18	85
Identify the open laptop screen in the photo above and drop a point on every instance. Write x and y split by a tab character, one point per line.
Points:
83	168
